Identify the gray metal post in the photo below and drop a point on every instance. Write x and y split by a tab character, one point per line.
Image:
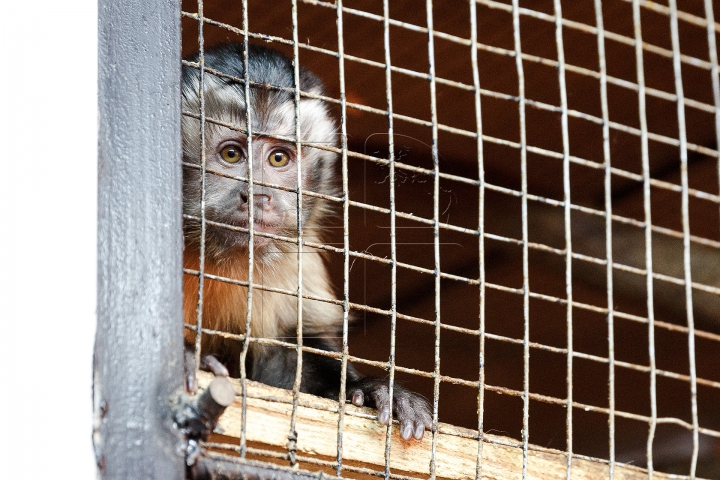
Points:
139	342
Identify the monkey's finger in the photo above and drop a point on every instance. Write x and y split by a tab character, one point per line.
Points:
405	414
419	430
382	402
427	420
406	430
423	411
384	415
211	364
190	381
357	398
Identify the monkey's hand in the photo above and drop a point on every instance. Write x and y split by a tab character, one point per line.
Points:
412	411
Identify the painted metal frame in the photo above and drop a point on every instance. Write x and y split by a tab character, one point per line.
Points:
139	342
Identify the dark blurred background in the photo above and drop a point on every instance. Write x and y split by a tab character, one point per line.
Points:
460	301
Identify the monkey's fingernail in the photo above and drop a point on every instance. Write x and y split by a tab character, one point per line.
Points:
358	399
384	416
406	430
419	431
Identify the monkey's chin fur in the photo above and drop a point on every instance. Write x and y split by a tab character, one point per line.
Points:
266	250
226	246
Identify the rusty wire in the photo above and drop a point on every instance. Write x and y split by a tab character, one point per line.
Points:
393	216
639	65
608	236
568	234
481	237
346	241
251	236
436	230
715	71
203	176
685	212
292	436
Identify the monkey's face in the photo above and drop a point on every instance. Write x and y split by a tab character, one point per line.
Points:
227	200
275	162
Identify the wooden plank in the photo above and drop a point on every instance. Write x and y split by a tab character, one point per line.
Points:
268	423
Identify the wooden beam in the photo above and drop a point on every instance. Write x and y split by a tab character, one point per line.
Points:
268	423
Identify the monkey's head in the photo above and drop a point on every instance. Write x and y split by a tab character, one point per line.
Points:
274	155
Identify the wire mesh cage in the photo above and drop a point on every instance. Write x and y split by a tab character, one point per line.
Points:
523	226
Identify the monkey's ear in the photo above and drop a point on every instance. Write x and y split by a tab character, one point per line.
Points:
315	89
310	83
316	122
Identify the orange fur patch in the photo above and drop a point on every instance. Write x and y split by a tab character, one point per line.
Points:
273	314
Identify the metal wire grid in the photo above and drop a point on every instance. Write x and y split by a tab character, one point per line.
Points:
436	224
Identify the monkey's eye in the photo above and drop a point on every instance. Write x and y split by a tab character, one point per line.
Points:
278	158
231	154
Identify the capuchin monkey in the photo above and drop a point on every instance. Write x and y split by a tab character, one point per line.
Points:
275	162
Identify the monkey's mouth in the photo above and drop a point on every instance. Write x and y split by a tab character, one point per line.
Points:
258	226
231	232
263	227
